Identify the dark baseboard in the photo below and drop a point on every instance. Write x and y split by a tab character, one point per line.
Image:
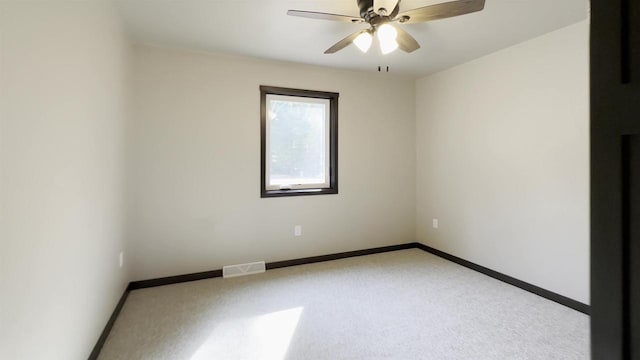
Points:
550	295
336	256
134	285
107	329
574	304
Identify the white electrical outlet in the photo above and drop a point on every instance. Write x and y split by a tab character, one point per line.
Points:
297	230
435	223
121	258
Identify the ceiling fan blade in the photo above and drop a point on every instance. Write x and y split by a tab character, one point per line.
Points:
440	11
395	10
325	16
388	5
405	41
344	42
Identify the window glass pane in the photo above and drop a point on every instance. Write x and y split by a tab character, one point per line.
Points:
297	142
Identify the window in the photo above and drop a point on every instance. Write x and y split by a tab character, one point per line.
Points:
299	135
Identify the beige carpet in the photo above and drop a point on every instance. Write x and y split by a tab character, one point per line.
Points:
398	305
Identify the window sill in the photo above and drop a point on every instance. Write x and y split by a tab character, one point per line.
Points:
297	192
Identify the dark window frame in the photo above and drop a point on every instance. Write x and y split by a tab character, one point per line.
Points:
333	140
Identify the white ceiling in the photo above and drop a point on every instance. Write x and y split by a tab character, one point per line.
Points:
261	28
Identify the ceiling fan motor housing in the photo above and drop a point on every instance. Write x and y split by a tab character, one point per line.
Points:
365	6
376	17
379	18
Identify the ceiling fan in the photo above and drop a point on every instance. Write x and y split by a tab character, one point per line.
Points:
376	14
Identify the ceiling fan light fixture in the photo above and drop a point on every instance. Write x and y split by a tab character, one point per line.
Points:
363	41
388	11
387	35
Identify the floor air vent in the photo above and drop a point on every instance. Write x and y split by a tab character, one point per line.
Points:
243	269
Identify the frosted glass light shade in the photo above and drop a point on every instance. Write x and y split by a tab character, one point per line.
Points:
387	35
363	41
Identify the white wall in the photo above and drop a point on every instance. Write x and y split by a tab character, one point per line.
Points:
63	106
196	165
503	161
501	152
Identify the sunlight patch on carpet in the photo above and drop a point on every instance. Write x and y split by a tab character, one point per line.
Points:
262	337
